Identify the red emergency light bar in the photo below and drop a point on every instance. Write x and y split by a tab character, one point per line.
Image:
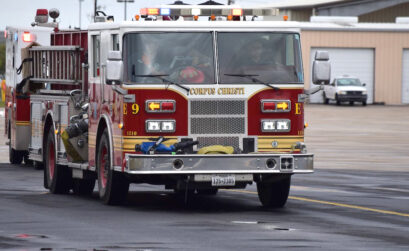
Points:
196	10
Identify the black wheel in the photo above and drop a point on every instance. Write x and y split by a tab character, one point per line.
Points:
83	186
351	102
363	103
274	194
57	179
326	101
27	161
336	99
210	191
112	186
15	157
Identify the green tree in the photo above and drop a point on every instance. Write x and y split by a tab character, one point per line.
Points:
2	58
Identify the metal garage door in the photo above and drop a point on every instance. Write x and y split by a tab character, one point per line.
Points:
405	77
354	62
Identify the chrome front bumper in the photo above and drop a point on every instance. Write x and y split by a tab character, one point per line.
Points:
220	163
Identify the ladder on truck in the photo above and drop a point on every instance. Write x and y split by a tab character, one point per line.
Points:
56	65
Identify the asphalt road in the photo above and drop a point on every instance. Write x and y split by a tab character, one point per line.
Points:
329	210
358	199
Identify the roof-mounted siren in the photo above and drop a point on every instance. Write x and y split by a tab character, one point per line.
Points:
41	18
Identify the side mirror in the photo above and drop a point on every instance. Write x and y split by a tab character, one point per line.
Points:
114	67
321	68
363	84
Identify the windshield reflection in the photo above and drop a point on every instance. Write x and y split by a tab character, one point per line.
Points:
349	82
183	57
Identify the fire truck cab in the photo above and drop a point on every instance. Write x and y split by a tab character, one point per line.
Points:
191	105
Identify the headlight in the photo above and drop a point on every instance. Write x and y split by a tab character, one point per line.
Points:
268	125
283	125
160	125
152	126
275	125
364	92
342	92
168	126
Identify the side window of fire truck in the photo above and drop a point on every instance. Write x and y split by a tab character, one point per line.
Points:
95	55
115	42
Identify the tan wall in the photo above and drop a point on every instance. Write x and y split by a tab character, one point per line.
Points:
388	48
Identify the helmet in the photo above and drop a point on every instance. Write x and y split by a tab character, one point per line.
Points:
192	75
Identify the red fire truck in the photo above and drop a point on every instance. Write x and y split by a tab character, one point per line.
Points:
167	99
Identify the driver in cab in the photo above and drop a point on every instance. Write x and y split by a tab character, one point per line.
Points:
199	71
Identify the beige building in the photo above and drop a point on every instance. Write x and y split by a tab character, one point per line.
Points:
378	54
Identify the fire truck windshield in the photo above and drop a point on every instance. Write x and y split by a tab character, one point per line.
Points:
184	57
272	57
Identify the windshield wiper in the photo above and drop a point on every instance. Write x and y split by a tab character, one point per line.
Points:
165	80
252	78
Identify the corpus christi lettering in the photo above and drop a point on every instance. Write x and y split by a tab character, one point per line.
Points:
220	91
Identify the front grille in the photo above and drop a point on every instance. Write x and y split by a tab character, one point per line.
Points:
354	92
212	125
217	107
224	141
218	122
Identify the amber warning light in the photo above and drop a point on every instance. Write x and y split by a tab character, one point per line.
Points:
28	37
160	106
275	106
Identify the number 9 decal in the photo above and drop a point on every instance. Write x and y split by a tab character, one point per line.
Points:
135	109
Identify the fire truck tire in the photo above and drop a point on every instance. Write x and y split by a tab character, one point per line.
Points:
58	178
337	100
274	194
83	187
15	157
326	100
112	186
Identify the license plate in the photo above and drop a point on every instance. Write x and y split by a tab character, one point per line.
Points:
223	180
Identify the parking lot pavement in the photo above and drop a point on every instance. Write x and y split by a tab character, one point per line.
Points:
357	137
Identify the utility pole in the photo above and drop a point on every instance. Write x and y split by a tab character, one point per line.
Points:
125	2
80	13
95	9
